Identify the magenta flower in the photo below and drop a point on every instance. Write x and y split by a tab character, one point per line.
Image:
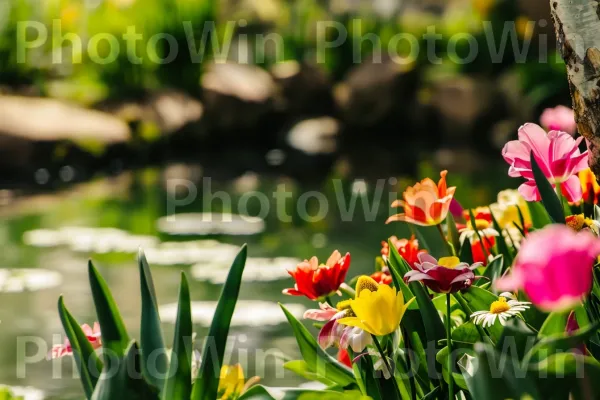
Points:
65	349
559	118
446	275
554	267
557	154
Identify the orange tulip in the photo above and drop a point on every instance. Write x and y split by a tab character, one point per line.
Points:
425	203
589	186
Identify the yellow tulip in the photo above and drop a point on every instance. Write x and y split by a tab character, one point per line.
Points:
232	383
377	309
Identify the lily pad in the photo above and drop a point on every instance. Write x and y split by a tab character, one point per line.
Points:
191	252
89	239
17	280
253	313
210	224
257	269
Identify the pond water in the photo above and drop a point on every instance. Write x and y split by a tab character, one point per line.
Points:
48	238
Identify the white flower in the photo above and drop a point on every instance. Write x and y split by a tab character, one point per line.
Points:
482	227
502	309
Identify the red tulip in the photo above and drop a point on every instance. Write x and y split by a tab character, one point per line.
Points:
317	281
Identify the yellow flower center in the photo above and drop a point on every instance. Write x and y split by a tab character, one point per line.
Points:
448	262
366	282
499	306
576	222
480	224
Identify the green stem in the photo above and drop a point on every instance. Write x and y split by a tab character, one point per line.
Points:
449	341
328	300
445	240
347	290
387	365
411	379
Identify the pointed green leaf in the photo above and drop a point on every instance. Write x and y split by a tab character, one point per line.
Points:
550	200
207	383
114	334
124	380
494	269
539	215
151	339
497	377
317	360
179	383
501	243
87	361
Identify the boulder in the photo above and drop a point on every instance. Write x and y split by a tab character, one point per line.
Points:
237	96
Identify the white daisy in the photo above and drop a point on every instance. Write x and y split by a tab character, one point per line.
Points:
503	309
482	227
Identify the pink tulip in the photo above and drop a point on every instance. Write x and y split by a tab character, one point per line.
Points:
557	154
559	118
554	267
65	349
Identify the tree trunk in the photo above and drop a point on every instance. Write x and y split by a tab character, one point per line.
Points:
577	25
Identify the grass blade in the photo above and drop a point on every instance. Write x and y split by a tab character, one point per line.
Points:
317	360
114	334
179	384
207	383
151	339
83	352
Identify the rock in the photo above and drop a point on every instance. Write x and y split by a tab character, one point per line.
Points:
47	120
373	92
237	96
31	129
304	89
307	148
169	110
315	136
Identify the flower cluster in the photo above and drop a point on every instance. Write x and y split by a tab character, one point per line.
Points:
517	271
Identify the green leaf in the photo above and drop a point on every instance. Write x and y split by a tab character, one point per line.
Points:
453	236
501	243
398	270
556	322
434	328
207	383
517	337
497	377
466	333
179	383
568	375
494	269
479	299
269	393
466	253
300	368
114	334
539	215
365	377
124	380
559	343
83	352
549	198
458	350
317	360
151	339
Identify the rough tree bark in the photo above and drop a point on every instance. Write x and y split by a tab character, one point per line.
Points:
577	26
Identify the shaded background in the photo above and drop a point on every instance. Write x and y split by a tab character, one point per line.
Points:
95	146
